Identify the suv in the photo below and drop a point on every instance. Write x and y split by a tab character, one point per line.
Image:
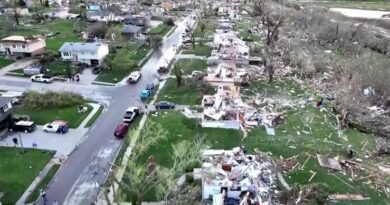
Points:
130	114
23	126
121	130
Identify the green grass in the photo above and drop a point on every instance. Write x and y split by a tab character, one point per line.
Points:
140	53
161	30
34	195
199	50
64	27
186	94
95	117
114	76
43	116
189	65
371	5
244	28
210	27
181	128
59	68
18	170
5	62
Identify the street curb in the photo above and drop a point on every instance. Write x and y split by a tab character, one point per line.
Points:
103	83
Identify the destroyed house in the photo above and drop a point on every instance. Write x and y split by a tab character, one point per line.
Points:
232	177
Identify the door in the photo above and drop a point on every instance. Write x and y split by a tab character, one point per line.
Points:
8	51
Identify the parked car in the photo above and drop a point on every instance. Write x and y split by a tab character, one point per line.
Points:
163	70
42	78
130	114
23	126
145	94
165	105
96	70
121	130
33	69
134	77
150	87
58	126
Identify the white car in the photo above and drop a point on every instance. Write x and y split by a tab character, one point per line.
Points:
42	78
130	114
134	77
58	126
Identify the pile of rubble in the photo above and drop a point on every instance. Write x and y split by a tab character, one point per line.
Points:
233	177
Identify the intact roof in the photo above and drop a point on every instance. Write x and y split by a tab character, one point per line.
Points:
15	38
131	29
5	100
81	47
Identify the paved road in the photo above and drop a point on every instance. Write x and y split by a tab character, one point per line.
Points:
78	180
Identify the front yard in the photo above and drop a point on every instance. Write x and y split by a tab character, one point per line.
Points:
189	65
5	62
47	115
162	30
199	50
185	94
18	170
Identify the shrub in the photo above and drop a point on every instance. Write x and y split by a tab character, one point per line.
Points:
50	99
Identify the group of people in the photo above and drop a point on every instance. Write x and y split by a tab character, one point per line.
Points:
43	196
72	78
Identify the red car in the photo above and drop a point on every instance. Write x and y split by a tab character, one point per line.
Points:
121	130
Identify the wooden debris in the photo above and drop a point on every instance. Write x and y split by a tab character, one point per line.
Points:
343	181
312	176
347	197
329	162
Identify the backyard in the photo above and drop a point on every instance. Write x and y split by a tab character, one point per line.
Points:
47	115
18	170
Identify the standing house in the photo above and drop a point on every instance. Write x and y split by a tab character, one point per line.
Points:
22	46
5	111
131	31
90	53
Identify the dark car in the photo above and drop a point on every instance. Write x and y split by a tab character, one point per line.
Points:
121	130
23	126
96	70
149	86
165	105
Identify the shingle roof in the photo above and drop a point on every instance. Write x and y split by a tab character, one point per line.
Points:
81	47
131	29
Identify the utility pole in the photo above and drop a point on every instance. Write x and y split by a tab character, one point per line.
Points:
21	143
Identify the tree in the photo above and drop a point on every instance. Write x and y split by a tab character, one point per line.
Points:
169	22
16	16
114	33
140	178
22	3
39	16
178	72
193	36
109	61
156	41
99	30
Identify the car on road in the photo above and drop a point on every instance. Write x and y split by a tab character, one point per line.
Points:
145	94
42	78
58	126
165	105
121	130
96	70
130	114
22	126
134	77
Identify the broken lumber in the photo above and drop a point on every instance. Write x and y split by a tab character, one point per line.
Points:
343	181
347	197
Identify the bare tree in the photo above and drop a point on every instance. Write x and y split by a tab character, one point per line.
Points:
140	179
178	72
15	13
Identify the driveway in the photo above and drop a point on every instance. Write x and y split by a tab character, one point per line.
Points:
78	180
63	144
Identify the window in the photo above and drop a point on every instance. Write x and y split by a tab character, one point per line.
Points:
13	46
65	54
23	46
6	107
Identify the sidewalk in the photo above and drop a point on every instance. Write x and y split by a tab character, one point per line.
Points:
36	181
16	65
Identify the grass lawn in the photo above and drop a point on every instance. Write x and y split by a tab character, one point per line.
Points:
368	4
95	117
53	43
189	65
34	195
161	30
140	53
18	170
114	76
4	62
186	94
243	27
210	27
59	68
199	50
43	116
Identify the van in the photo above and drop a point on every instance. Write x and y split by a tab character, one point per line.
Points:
23	126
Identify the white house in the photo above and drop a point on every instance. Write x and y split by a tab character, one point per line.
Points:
22	46
89	53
